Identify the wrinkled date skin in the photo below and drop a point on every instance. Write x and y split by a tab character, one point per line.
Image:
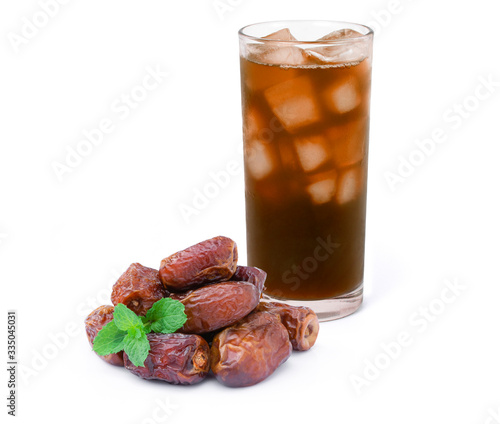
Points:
215	306
250	274
174	358
138	288
250	351
94	323
210	261
301	323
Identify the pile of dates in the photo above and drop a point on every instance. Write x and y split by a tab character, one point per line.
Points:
229	331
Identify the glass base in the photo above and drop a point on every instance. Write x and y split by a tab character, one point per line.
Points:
327	309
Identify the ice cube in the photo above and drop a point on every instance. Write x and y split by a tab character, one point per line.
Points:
350	183
322	189
259	159
348	142
294	103
343	96
312	151
336	55
251	123
339	53
257	125
260	77
274	52
284	56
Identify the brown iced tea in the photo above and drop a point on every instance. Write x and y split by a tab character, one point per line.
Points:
306	111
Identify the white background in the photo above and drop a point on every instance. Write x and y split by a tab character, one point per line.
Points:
63	242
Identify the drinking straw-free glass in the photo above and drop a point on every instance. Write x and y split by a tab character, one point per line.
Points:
306	99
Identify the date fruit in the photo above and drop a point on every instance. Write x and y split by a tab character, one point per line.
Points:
138	288
225	330
210	261
174	358
215	306
251	274
250	351
93	324
301	323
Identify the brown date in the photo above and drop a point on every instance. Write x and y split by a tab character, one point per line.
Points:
301	323
251	274
215	306
94	323
174	358
250	351
210	261
138	288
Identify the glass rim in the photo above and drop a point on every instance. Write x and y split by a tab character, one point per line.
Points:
369	32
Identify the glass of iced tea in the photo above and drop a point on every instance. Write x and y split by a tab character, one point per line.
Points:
306	100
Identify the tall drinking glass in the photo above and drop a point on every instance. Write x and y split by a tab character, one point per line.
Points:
306	99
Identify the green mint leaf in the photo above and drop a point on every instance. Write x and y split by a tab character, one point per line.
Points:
124	318
110	339
166	315
168	325
136	346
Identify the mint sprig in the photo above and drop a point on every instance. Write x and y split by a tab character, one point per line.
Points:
128	332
